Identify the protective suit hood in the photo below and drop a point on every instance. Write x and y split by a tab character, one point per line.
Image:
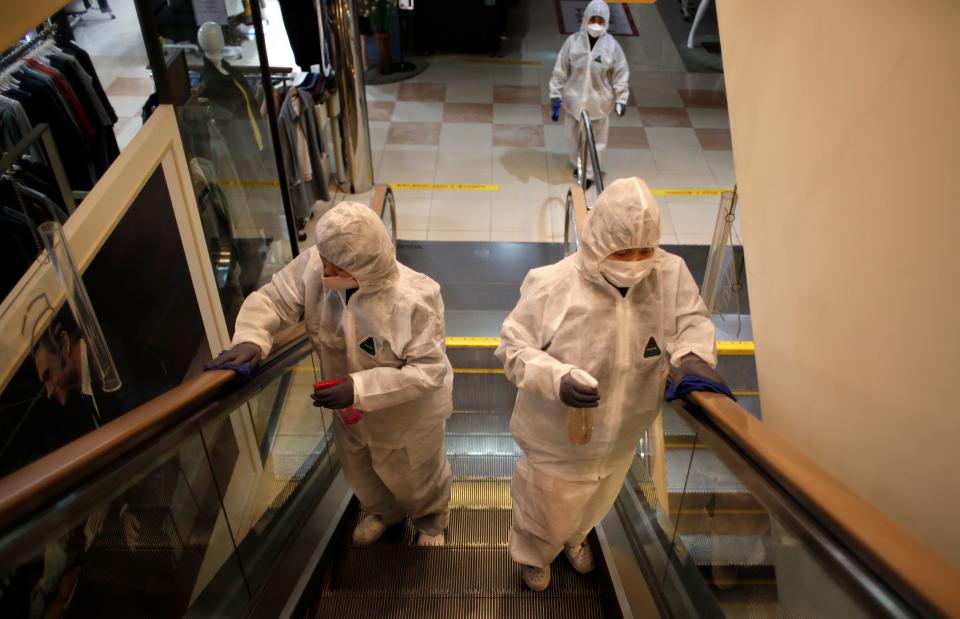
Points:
353	237
625	216
597	8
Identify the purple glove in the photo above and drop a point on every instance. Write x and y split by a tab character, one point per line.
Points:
555	104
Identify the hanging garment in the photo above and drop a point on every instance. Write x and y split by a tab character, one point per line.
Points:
302	150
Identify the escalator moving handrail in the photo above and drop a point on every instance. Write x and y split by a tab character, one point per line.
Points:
44	480
902	561
578	199
592	151
383	200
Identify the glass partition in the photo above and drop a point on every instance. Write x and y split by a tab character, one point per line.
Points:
190	527
712	546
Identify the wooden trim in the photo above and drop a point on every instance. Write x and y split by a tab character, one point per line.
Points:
30	486
579	206
884	546
19	18
21	489
378	199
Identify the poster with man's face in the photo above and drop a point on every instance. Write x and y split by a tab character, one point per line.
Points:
140	287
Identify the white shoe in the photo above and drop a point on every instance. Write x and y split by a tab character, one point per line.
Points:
369	530
580	557
537	578
431	540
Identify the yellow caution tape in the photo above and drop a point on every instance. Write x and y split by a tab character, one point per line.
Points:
529	63
736	348
746	392
473	342
447	187
723	348
688	192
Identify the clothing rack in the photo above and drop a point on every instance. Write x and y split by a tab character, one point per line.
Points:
42	132
44	34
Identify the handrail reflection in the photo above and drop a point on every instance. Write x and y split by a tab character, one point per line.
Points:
41	481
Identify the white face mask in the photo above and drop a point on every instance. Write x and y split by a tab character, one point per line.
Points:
340	283
596	30
626	274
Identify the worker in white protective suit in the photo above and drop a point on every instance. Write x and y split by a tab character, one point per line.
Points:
622	310
379	325
590	74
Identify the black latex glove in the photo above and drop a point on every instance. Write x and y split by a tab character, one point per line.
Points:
577	394
336	397
244	352
693	365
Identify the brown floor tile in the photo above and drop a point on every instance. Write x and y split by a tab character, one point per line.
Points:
130	87
703	98
714	139
380	110
518	135
421	92
414	133
627	137
516	94
664	117
467	112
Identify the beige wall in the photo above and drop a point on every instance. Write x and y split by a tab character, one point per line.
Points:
846	135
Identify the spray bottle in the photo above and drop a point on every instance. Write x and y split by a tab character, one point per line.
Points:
580	420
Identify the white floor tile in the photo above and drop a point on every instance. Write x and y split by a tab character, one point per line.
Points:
460	173
519	216
681	162
127	106
450	213
458	235
378	135
409	157
470	92
473	157
412	235
691	218
414	213
418	111
672	138
517	114
706	118
555	139
478	136
383	92
631	118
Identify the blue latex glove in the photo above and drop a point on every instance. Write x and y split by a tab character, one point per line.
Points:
244	370
555	104
691	383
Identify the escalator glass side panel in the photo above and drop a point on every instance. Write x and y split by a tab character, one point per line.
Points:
143	549
713	546
189	524
271	457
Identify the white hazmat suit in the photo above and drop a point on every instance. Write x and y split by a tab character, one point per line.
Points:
569	317
389	337
594	80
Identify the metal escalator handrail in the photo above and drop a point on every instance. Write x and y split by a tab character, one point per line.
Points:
43	480
383	202
914	572
576	205
588	147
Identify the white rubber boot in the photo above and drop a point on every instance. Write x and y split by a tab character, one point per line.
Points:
537	578
369	530
580	557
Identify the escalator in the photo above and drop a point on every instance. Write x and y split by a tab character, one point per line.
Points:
224	498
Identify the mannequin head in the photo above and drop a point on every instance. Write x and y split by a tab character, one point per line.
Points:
210	38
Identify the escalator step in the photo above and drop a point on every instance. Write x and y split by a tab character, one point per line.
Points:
481	494
468	528
479	444
478	423
484	467
539	606
445	572
483	392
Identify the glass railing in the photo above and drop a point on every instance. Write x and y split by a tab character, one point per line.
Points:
720	533
189	522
